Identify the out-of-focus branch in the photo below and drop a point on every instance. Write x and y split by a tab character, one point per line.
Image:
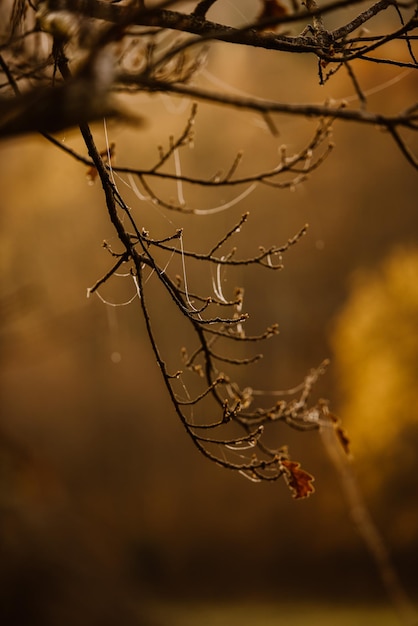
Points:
407	119
85	97
340	111
362	519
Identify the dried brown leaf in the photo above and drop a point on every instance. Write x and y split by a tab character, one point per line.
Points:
271	10
341	434
299	481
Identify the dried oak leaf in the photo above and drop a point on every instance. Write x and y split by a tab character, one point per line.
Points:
341	434
271	10
299	481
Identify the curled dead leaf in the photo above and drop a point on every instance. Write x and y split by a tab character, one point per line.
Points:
299	481
341	434
270	11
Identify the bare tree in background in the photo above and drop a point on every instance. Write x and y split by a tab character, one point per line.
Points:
65	63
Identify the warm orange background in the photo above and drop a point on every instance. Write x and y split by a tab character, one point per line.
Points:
103	498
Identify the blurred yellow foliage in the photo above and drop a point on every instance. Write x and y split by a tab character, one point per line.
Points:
375	341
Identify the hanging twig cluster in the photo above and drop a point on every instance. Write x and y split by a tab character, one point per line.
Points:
220	417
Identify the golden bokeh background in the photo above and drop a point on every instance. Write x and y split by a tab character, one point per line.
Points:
105	504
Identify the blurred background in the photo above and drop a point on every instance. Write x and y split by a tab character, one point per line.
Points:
108	513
